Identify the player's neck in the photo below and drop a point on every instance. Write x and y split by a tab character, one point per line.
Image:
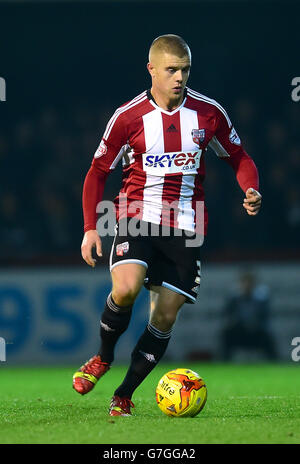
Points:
164	102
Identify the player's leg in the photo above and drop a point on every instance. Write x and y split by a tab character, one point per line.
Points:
164	307
128	263
127	280
151	346
174	277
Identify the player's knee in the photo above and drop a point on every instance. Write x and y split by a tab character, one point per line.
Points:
164	320
125	293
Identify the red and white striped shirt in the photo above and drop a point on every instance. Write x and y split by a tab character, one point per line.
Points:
163	159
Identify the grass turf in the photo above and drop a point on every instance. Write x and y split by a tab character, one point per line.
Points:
246	404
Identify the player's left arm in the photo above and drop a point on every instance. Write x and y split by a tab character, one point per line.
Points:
227	145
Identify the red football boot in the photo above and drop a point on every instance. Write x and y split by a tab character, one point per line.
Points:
88	375
120	406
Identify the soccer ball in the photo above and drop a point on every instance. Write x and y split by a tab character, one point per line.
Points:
181	393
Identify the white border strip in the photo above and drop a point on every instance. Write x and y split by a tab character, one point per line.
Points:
177	290
112	247
129	261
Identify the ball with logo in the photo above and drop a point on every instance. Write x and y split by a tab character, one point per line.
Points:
181	393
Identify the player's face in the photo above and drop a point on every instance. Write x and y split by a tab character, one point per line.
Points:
170	74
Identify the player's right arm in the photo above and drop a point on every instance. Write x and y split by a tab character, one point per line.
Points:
105	159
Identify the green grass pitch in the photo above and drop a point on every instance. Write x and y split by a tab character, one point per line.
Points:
246	404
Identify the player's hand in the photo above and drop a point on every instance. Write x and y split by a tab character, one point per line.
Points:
252	202
91	240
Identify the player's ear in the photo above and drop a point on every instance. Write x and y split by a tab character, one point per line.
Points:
150	68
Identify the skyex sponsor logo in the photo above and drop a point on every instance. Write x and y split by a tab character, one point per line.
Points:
172	163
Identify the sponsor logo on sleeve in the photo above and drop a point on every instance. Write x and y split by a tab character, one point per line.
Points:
234	138
101	150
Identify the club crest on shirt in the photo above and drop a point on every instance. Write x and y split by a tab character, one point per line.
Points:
198	135
122	248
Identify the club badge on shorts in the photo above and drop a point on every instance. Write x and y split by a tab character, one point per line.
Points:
122	248
198	135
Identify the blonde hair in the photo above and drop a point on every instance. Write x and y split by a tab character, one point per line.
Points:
170	43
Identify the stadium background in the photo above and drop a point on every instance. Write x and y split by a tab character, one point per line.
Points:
67	66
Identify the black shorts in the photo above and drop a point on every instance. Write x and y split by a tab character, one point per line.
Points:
169	261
